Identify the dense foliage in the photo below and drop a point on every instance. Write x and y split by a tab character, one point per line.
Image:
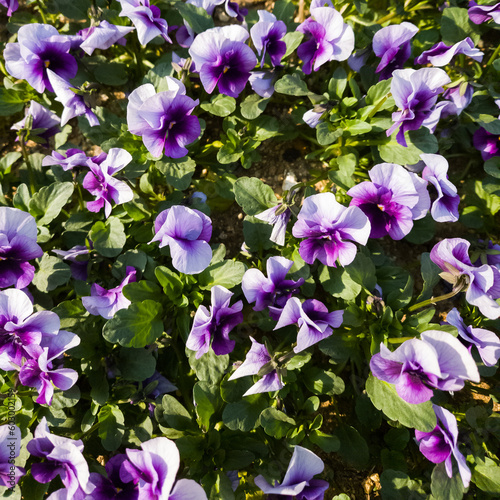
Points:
354	327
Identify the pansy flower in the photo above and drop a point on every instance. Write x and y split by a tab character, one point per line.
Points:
223	59
187	232
329	230
479	14
441	54
211	327
415	93
486	143
101	183
441	444
39	47
39	122
163	119
267	36
328	38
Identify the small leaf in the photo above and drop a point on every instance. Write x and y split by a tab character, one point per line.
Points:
48	202
53	272
227	273
384	397
291	85
108	237
253	195
276	423
111	428
178	172
220	105
138	326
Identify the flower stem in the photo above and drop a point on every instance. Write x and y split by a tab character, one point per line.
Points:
433	300
493	56
27	160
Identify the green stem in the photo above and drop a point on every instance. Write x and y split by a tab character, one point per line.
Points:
379	104
41	12
493	56
386	18
433	300
27	160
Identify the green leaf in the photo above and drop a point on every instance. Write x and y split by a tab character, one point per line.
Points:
396	485
108	237
227	273
244	415
430	275
178	171
209	367
319	381
291	85
196	17
338	83
276	423
52	272
284	10
48	201
419	141
356	127
492	167
338	282
170	413
170	281
487	477
256	234
220	105
456	25
253	195
326	135
292	40
327	442
207	400
378	92
353	447
137	326
136	364
112	73
21	199
111	427
11	101
384	397
253	106
447	488
423	230
141	290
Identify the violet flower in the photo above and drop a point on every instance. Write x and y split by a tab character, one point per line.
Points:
103	36
40	123
441	444
105	488
327	226
415	93
445	206
223	59
479	14
299	479
486	342
79	258
391	201
146	18
438	361
10	5
313	319
233	9
42	372
267	36
486	143
163	385
456	100
39	47
187	232
278	216
163	119
10	447
257	358
68	159
106	303
63	457
328	38
489	253
272	292
73	100
441	54
18	234
21	330
393	45
481	284
153	470
262	82
100	183
211	327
